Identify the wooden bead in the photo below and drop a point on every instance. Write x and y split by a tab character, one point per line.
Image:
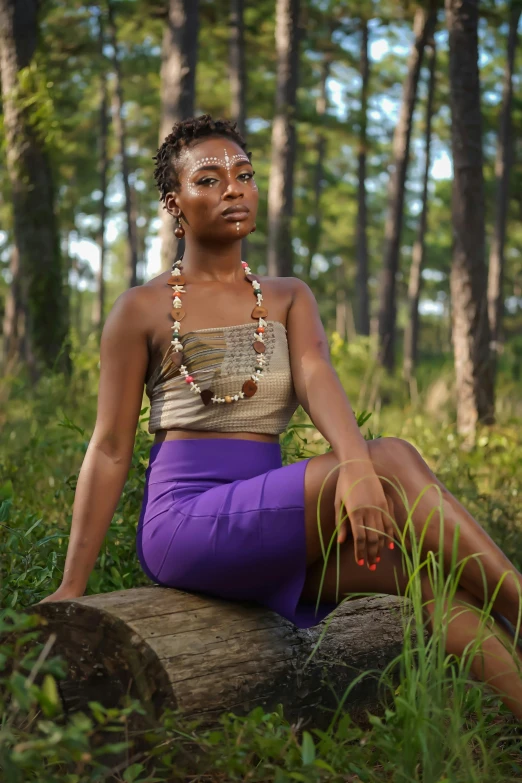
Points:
178	313
259	347
206	396
249	388
177	358
176	280
251	278
259	312
228	398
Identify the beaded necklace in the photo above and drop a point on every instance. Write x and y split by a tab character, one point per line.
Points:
249	388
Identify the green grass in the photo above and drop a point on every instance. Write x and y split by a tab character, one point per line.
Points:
439	725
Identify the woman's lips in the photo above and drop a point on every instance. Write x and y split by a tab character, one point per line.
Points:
233	217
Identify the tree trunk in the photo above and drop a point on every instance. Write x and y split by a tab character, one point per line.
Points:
502	173
362	309
238	73
103	166
281	183
411	336
423	28
471	335
140	233
314	236
13	327
121	135
238	77
178	79
205	656
35	232
340	302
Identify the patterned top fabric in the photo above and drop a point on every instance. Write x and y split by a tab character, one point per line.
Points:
222	358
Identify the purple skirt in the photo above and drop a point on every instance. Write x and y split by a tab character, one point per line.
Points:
223	516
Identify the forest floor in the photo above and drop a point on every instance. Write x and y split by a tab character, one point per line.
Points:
464	735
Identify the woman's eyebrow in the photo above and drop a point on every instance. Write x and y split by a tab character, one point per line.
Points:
216	167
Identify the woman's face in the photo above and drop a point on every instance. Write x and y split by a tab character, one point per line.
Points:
218	196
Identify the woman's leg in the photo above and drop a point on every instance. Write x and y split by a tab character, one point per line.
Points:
493	663
397	462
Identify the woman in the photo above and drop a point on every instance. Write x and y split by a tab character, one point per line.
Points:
227	357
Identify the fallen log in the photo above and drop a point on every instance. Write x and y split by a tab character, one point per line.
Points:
204	656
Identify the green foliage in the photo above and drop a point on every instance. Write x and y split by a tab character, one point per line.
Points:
436	725
37	742
35	96
41	453
61	90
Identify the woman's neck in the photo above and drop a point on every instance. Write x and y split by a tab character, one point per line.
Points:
221	263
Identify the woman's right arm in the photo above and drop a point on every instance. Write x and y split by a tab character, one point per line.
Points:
123	366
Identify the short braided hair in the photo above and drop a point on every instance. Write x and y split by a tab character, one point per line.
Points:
183	134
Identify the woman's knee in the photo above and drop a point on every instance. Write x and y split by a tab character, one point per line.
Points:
392	452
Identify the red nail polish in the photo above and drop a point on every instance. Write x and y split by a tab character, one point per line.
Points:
391	545
360	562
378	559
373	567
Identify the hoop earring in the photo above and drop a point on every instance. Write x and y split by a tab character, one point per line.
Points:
179	231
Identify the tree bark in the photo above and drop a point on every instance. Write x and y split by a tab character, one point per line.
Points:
362	309
13	327
340	302
205	656
141	233
471	334
35	231
238	72
281	182
314	236
502	173
103	166
423	27
411	335
178	79
121	135
238	77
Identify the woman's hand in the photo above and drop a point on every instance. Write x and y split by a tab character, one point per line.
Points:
61	593
361	497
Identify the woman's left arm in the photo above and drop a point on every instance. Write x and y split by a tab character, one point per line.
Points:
321	394
316	382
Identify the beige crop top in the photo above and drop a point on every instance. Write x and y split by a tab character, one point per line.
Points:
222	358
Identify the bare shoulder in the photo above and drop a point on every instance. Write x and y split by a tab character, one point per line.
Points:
137	305
288	285
283	289
300	288
156	282
305	327
298	294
